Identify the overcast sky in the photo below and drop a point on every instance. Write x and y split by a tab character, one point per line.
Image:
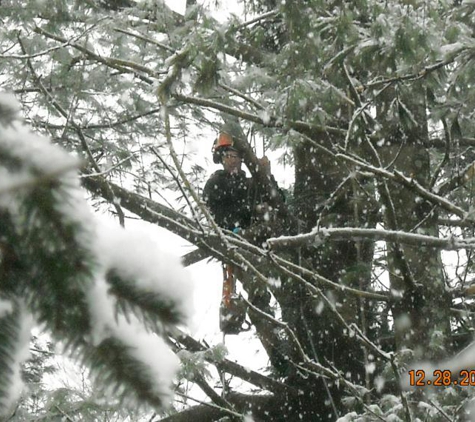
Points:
218	8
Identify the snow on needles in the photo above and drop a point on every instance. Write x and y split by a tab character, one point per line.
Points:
148	348
34	152
136	257
6	307
9	107
20	355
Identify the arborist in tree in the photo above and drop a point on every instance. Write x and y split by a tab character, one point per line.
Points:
238	204
227	191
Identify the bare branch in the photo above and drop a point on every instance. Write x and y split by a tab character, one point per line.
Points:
410	76
259	18
410	183
69	120
118	64
445	160
294	270
147	39
457	181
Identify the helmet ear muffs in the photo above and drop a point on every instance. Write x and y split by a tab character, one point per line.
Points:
217	153
217	157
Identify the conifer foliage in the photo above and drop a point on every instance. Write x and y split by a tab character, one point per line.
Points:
60	269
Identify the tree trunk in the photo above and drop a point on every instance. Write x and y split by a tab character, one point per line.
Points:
421	303
322	197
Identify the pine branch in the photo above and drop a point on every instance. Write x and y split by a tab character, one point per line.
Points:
131	297
114	365
60	269
14	184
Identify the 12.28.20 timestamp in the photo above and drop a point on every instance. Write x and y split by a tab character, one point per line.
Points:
441	378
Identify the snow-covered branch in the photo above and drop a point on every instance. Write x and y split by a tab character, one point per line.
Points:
318	237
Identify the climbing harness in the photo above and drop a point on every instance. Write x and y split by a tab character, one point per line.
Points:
232	312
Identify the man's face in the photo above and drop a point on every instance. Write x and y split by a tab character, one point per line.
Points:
232	162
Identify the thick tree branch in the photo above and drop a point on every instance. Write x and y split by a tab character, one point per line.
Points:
272	122
193	257
149	210
262	408
234	368
187	229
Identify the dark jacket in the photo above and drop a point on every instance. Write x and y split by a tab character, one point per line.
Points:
228	197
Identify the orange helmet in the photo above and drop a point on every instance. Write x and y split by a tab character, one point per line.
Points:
224	140
223	143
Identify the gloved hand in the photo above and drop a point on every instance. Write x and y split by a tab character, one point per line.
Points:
264	164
